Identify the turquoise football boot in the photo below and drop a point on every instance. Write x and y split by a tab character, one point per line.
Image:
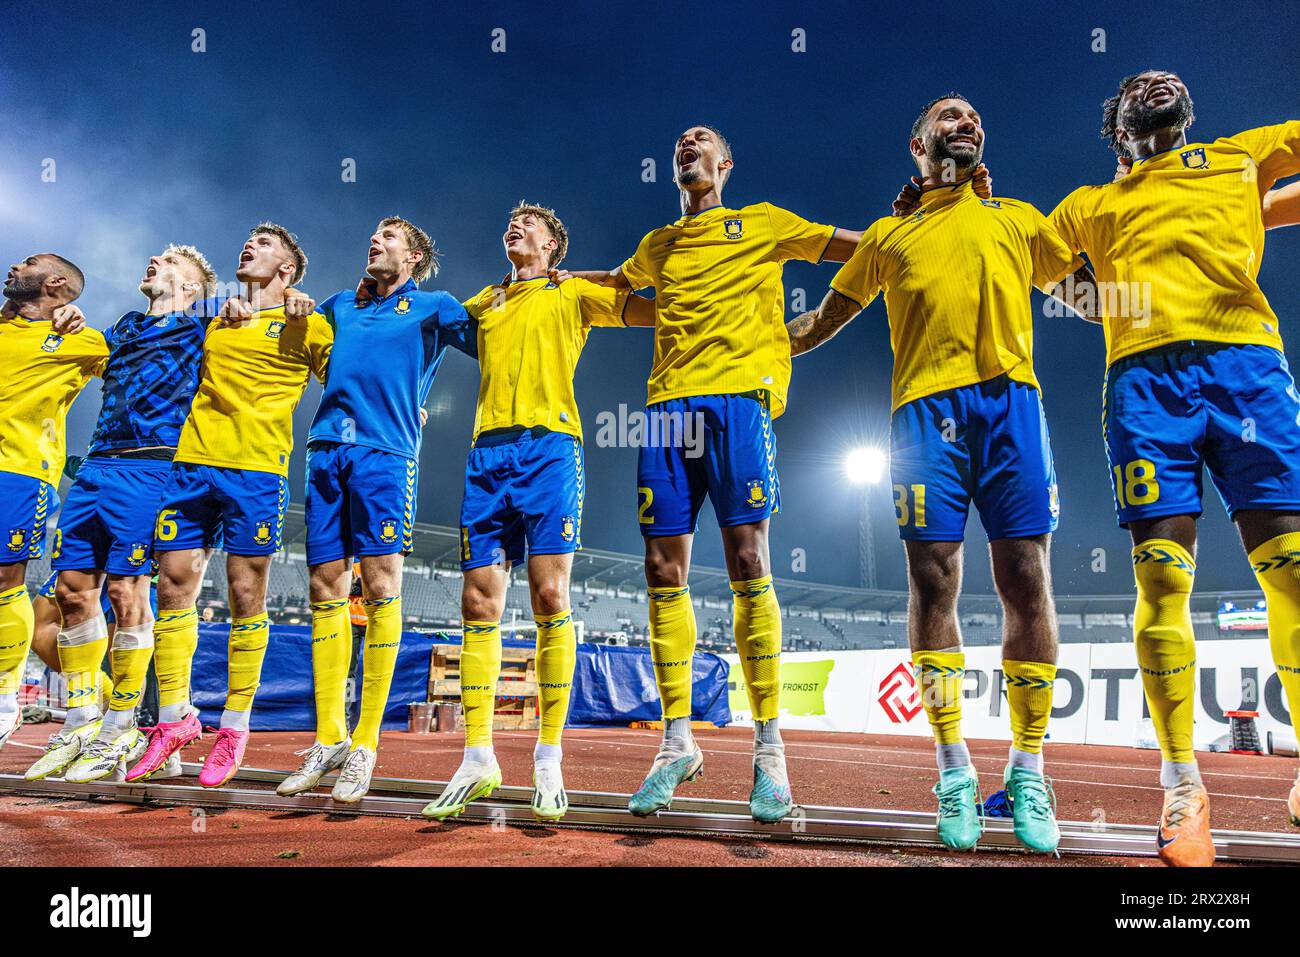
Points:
670	769
960	817
1033	809
770	800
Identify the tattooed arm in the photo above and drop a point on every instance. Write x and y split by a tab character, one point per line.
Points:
811	329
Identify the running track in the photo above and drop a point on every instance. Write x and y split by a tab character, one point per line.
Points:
1247	793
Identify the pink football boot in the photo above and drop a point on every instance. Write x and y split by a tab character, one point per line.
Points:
166	739
224	759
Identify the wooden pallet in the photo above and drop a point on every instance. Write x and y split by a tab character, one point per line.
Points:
516	704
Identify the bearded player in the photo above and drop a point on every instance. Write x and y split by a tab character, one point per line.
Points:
362	474
42	371
104	542
967	426
228	484
524	485
1196	378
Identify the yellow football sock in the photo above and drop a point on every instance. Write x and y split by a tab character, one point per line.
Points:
331	655
132	650
480	666
16	625
1277	567
1029	698
176	636
940	675
758	643
379	659
1166	647
106	687
672	648
557	650
81	653
247	649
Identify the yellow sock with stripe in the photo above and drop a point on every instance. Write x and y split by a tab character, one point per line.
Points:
16	625
175	637
132	652
939	675
106	686
557	651
379	659
331	656
1029	699
757	619
1277	567
81	655
672	648
1166	646
246	651
480	667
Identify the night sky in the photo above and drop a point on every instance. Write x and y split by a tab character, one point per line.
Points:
155	143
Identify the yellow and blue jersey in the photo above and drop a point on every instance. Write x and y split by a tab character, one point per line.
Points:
254	374
720	310
41	372
385	356
956	275
530	336
150	378
1177	243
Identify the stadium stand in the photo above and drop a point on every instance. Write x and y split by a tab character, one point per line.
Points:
609	598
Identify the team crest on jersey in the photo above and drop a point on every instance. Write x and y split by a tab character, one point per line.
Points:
388	531
757	494
991	203
274	329
163	323
917	216
17	539
734	228
403	305
568	528
52	342
139	555
263	534
1195	159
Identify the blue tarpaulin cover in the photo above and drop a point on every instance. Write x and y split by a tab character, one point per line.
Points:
611	685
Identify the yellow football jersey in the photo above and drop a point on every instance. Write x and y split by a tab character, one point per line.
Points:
1177	243
530	337
956	275
253	376
720	310
40	374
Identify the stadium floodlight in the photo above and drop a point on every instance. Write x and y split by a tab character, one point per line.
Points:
866	465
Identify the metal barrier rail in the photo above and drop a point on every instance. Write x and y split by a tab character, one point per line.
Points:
401	797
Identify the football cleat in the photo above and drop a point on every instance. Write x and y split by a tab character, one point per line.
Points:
1183	834
320	760
469	783
164	740
670	769
354	777
550	800
223	761
64	747
960	817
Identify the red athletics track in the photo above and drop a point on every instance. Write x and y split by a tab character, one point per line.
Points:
1247	793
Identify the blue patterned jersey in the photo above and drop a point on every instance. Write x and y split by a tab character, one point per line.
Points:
386	353
151	377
